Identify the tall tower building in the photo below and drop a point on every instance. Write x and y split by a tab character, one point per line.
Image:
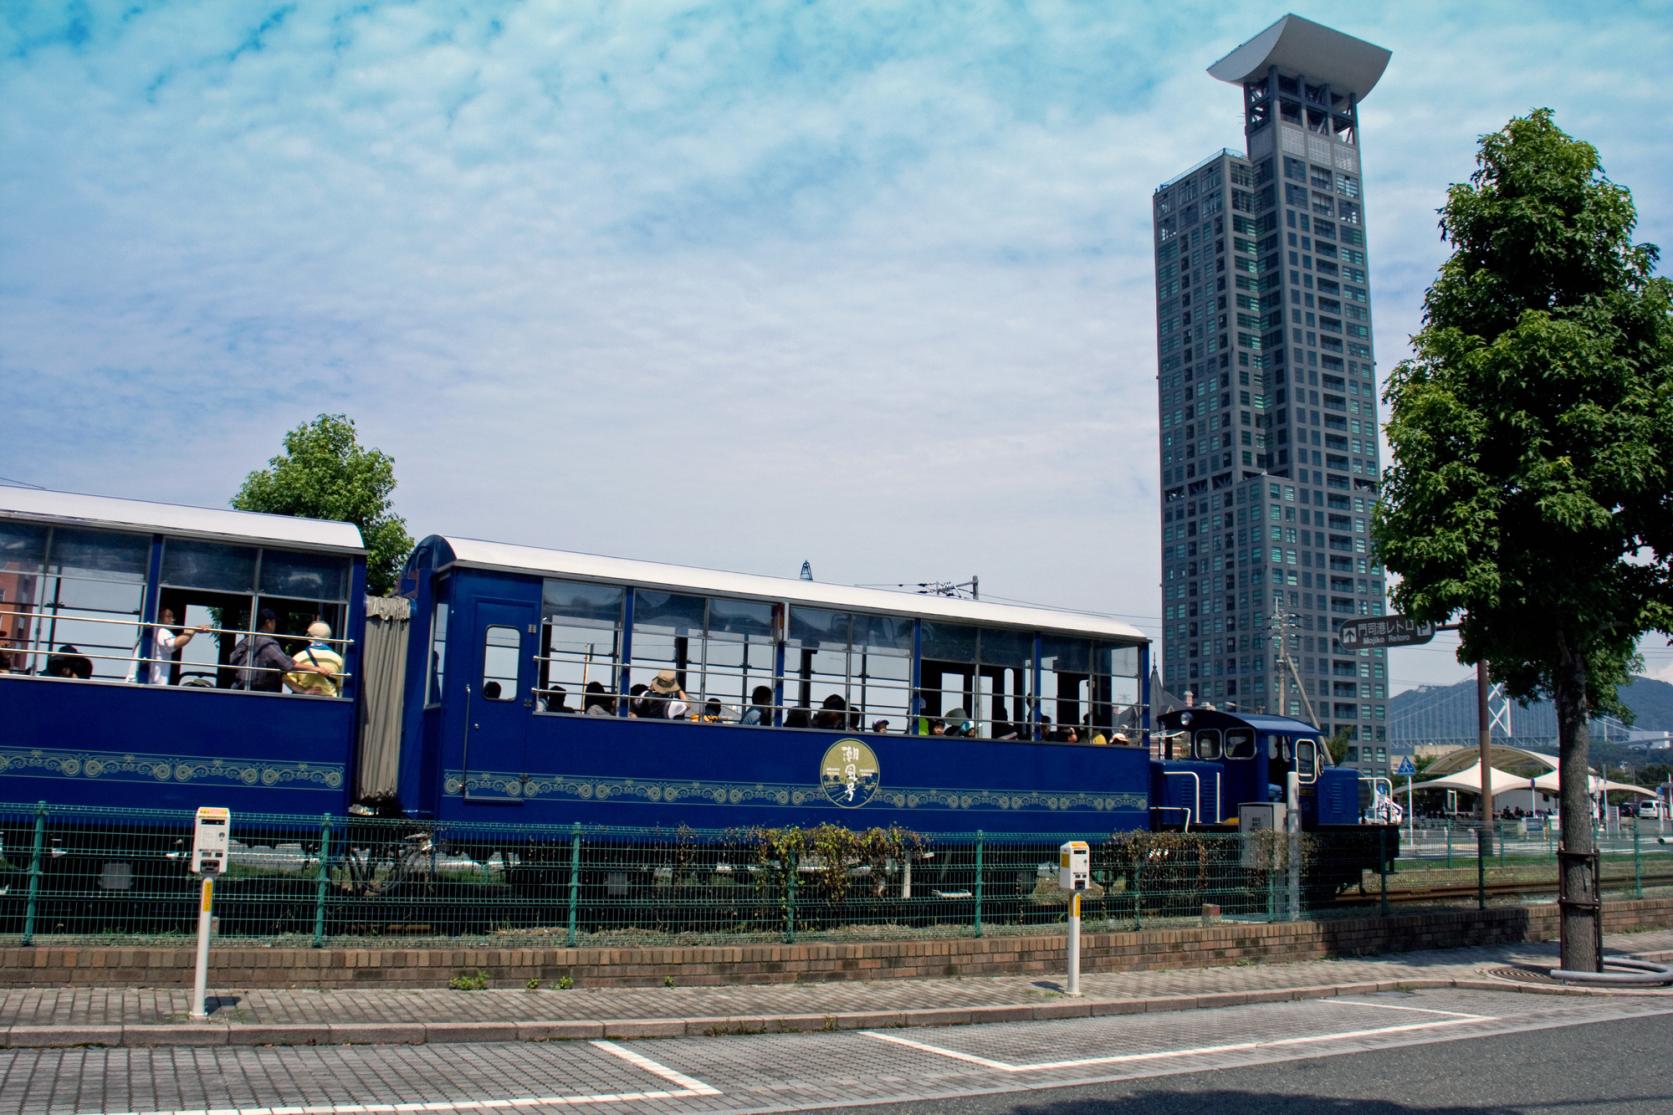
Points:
1268	397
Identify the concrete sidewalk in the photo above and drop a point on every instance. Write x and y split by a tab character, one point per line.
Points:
39	1017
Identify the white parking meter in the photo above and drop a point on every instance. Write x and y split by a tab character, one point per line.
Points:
1074	866
1074	874
211	837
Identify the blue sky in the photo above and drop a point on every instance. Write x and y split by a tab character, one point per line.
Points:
729	284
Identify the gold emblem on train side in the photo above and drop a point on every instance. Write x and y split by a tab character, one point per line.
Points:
849	773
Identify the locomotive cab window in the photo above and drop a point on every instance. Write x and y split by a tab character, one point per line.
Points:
1208	743
1307	760
1240	744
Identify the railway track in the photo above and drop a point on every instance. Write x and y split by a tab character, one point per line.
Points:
1493	890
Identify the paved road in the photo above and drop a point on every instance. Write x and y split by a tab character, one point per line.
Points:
1256	1056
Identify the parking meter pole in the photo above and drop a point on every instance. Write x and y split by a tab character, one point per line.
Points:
1074	944
200	983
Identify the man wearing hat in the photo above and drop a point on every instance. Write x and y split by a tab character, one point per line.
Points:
664	699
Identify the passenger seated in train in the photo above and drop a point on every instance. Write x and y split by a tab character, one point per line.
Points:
317	667
1002	728
597	702
166	645
69	663
664	699
555	698
491	691
261	662
796	718
880	726
760	710
958	723
711	711
832	714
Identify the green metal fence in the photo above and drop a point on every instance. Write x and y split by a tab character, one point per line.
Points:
88	873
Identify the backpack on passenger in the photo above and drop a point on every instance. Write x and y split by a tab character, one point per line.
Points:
246	675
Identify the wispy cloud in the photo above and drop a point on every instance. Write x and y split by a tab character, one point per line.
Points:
732	283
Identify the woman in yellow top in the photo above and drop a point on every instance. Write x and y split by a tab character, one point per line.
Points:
317	665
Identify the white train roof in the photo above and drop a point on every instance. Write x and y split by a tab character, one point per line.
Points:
476	554
74	509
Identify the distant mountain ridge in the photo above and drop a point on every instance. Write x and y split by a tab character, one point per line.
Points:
1439	712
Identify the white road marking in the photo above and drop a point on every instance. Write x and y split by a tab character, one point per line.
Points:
686	1087
687	1083
1171	1054
1393	1006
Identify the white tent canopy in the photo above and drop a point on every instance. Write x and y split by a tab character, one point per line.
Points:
1469	781
1550	783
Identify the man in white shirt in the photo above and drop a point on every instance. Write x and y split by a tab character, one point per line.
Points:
166	646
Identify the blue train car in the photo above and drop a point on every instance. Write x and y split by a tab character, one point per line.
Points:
118	625
554	687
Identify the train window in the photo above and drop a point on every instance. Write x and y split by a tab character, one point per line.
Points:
816	667
1004	682
1065	674
1115	688
581	639
304	576
1240	744
881	686
668	635
736	657
228	587
1307	760
70	587
1208	743
209	565
844	671
500	650
438	652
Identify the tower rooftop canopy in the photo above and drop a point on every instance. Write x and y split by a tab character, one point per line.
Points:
1297	45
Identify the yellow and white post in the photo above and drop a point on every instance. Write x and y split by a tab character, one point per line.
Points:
211	838
1074	872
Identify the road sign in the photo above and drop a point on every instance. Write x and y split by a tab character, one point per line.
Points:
1383	631
1406	767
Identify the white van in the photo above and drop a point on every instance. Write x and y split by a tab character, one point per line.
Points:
1651	810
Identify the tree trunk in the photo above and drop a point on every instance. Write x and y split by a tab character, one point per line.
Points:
1581	915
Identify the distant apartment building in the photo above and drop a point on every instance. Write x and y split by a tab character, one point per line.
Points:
1268	397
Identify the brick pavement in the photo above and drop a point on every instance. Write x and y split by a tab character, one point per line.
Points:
38	1016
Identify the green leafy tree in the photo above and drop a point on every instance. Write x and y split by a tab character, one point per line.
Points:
1531	489
324	473
1337	744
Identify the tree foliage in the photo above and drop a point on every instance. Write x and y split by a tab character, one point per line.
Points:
324	473
1531	491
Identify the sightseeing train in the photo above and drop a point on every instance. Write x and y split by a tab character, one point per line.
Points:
534	687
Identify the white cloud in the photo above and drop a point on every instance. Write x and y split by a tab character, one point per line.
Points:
742	285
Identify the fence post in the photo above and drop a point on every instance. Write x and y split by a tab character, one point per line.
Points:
574	882
1482	836
324	877
1449	843
1138	893
790	898
35	873
1382	865
1501	843
978	882
1637	865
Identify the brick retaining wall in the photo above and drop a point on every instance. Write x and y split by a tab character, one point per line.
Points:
243	966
